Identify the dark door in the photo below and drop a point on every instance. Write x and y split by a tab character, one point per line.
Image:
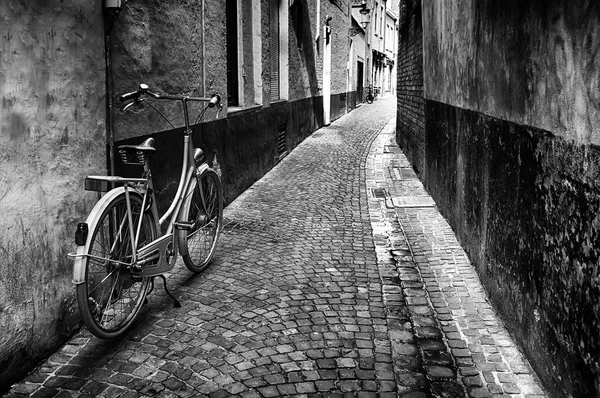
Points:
359	82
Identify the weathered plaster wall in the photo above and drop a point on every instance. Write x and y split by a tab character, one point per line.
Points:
303	50
531	62
512	161
51	136
175	47
340	42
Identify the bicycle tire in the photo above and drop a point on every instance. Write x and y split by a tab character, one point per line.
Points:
369	99
197	245
111	296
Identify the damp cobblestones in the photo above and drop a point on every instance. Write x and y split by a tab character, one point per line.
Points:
447	341
322	285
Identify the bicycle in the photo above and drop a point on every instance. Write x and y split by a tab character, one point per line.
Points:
372	93
369	96
121	247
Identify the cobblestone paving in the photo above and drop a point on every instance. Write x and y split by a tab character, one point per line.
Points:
446	339
321	286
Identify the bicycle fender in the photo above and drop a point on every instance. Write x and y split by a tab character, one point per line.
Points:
92	219
200	170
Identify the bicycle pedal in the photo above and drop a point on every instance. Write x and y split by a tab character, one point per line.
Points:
183	225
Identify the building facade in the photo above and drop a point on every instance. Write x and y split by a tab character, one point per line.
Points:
498	113
284	68
382	43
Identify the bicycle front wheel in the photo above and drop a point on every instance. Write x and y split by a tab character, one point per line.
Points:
203	211
111	295
369	99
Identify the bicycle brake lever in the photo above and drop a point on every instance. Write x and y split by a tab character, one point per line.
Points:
130	104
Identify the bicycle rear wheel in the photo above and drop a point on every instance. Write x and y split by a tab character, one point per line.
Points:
203	210
111	295
369	99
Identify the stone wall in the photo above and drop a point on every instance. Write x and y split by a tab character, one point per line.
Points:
511	158
51	136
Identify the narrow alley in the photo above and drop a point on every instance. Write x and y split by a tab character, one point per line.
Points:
335	276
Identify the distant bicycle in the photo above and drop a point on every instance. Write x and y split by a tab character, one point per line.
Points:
121	246
372	93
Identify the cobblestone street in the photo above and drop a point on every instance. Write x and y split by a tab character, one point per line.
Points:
335	276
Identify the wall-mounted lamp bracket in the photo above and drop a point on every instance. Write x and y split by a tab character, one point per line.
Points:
354	31
111	10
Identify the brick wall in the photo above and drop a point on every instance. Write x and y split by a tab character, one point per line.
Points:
410	127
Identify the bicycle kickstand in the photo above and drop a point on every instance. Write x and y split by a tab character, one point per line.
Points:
176	302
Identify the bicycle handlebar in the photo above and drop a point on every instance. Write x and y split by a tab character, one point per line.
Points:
143	89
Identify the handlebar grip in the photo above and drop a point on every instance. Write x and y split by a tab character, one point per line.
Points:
128	96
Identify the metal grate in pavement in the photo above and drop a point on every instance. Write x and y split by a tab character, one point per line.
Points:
379	193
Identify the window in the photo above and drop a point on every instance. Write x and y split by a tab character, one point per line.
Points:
231	10
244	53
274	48
376	18
278	49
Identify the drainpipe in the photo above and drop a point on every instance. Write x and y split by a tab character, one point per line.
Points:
110	11
202	19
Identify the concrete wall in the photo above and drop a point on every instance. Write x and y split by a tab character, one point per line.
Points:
511	158
51	137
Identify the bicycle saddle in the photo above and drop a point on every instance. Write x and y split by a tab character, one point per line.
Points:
147	145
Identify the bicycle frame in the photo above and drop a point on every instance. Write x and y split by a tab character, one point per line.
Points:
165	247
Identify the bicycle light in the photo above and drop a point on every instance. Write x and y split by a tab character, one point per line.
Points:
115	5
215	100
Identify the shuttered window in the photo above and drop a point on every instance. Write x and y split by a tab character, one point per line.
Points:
274	47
